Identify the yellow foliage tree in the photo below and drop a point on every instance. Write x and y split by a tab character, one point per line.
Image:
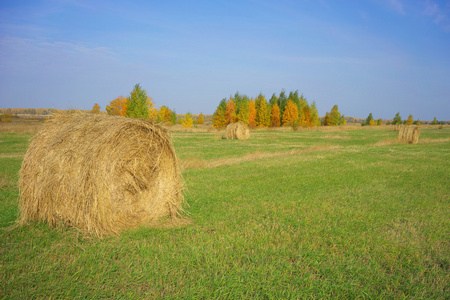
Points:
410	120
306	117
117	107
152	111
96	109
219	120
290	115
188	120
230	112
201	119
262	111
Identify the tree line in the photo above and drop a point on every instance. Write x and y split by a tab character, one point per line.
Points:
282	110
139	105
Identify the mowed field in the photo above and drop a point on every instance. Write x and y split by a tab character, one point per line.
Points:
313	214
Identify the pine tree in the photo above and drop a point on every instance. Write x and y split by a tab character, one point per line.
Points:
282	102
397	119
368	119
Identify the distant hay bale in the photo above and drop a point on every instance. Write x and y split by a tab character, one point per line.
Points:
408	134
100	174
238	131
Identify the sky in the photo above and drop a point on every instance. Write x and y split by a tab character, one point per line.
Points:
366	56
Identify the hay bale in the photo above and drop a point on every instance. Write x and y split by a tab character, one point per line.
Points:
408	134
100	174
238	131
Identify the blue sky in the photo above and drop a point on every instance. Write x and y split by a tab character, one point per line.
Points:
366	56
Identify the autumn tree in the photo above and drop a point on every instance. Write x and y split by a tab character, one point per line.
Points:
410	120
219	120
188	120
334	117
137	103
274	100
164	114
315	114
326	120
397	119
201	119
262	111
96	109
435	121
117	107
290	115
243	110
368	120
342	121
282	102
275	115
305	117
230	112
379	122
251	113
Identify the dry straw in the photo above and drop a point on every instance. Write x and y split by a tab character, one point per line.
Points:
100	174
408	134
238	131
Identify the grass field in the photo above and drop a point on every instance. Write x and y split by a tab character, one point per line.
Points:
345	214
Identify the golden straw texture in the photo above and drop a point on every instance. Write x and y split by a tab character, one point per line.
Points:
238	131
100	174
408	134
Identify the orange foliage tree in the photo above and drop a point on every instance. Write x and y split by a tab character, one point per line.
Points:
230	112
117	107
290	115
251	113
275	115
96	109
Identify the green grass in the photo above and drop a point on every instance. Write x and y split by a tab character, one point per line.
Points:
358	216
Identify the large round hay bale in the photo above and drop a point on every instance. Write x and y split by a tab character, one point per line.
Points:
408	134
238	131
100	174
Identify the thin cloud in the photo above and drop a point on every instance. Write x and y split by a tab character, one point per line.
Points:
397	6
439	15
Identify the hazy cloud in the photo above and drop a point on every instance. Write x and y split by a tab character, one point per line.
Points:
439	15
397	6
